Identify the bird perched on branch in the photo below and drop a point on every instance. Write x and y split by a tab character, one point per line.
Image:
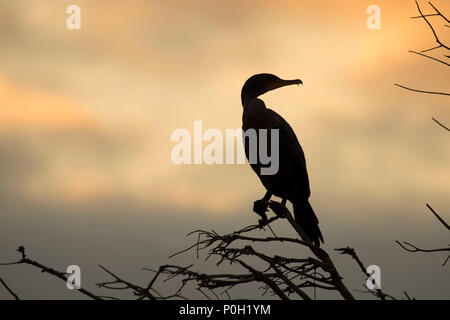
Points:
291	181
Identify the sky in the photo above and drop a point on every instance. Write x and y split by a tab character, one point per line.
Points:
86	118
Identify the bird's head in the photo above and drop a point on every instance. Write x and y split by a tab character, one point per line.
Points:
259	84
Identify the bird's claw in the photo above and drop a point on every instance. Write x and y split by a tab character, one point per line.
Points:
263	222
278	208
260	207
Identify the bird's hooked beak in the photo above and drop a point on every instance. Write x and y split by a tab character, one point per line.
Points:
281	83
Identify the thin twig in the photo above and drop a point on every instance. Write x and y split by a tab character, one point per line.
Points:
431	26
438	217
9	289
430	57
423	91
440	124
58	274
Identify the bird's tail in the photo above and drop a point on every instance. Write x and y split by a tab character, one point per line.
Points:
306	218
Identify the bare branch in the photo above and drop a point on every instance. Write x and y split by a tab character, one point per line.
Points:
351	252
431	26
440	124
425	15
58	274
431	49
430	57
412	248
438	12
9	289
422	91
438	217
120	284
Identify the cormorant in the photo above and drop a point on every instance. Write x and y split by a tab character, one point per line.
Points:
291	181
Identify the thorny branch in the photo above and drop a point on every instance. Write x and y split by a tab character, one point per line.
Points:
283	277
280	276
58	274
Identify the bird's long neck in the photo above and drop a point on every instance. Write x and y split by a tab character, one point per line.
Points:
248	98
247	101
252	106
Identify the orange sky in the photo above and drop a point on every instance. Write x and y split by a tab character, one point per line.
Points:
96	107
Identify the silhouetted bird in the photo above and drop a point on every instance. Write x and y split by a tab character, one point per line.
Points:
291	181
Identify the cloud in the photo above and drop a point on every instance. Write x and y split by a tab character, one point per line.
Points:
86	119
32	109
103	102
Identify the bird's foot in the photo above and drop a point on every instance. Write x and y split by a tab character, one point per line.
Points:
263	222
278	208
260	207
